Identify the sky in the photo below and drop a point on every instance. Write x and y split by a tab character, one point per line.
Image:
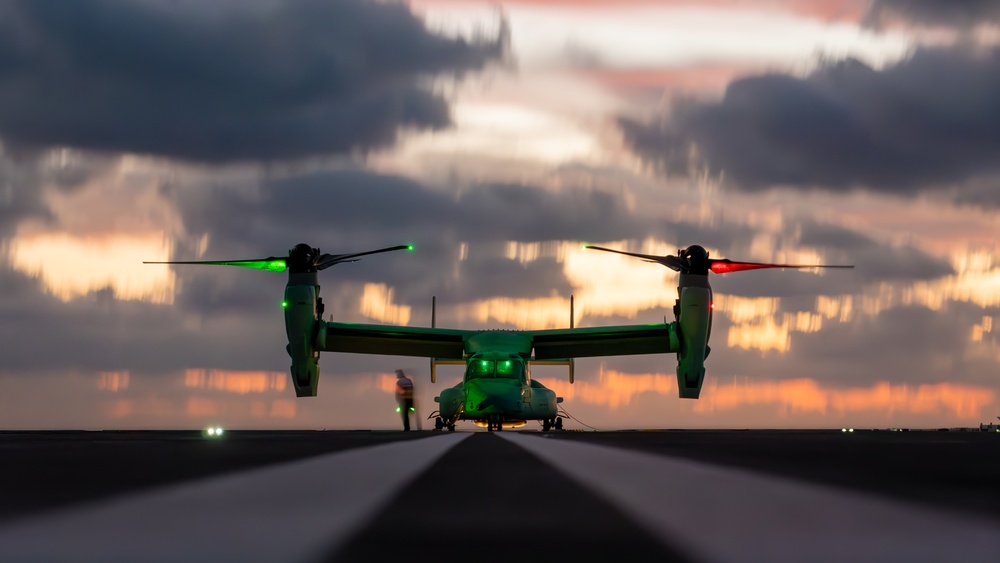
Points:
498	138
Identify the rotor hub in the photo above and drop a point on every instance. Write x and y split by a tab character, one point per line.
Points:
302	259
696	259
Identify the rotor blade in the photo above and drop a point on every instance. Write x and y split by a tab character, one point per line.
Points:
271	264
670	261
327	260
728	266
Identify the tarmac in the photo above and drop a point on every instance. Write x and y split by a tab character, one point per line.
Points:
664	495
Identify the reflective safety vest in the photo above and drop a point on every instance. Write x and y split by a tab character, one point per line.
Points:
404	388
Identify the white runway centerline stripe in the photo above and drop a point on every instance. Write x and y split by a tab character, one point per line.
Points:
296	511
724	514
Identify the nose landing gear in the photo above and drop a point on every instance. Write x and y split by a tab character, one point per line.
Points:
441	423
551	423
494	423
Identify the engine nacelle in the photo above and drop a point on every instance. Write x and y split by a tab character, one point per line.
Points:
694	321
301	295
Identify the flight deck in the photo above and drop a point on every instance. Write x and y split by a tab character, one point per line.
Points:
669	495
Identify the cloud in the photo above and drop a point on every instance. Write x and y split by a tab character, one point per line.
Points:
20	198
328	205
932	13
929	121
26	178
352	210
227	81
873	261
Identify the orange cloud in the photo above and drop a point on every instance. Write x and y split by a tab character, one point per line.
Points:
239	382
807	395
113	381
615	389
700	78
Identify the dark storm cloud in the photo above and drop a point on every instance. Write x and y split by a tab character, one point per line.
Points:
908	344
27	178
19	197
357	201
355	210
492	276
875	261
226	81
931	120
96	332
979	192
524	213
933	13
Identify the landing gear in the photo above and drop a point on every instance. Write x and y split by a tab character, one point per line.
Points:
438	423
494	423
451	427
551	423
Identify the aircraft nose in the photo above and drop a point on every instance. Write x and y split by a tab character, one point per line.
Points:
492	396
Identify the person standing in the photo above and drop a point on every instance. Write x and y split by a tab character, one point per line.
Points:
404	397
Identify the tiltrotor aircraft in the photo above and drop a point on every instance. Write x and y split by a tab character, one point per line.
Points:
497	390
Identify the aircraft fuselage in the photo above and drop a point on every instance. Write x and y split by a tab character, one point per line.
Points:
496	389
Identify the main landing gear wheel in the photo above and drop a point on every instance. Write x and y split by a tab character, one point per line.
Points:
451	428
546	425
558	423
438	423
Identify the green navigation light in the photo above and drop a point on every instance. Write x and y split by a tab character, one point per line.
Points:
275	266
409	247
284	304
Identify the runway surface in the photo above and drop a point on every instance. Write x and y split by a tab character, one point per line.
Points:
508	496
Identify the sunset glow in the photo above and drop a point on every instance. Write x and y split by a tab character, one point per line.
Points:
238	382
377	304
616	390
72	267
113	381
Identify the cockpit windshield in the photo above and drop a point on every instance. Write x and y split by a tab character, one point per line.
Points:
508	369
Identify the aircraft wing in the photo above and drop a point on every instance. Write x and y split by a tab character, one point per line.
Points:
657	338
394	340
